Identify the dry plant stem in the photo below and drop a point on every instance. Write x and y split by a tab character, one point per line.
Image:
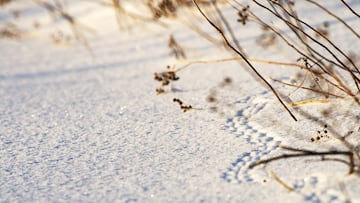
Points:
288	42
307	88
347	5
309	101
57	10
308	153
299	33
335	160
341	87
282	183
240	59
197	29
10	30
356	79
324	37
3	2
316	62
345	192
300	85
335	134
228	27
201	33
335	16
78	33
121	13
291	8
245	59
349	92
294	27
346	143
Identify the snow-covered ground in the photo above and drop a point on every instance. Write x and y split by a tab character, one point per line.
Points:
77	128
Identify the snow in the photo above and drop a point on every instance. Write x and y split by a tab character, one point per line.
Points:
77	128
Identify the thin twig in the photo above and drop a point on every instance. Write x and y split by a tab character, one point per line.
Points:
349	7
307	153
316	41
240	59
335	16
307	88
282	183
355	78
245	59
228	27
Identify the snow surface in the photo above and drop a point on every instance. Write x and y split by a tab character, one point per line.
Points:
76	128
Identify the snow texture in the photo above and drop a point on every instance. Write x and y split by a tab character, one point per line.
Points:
76	128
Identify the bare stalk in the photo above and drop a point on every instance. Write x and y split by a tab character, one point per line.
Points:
356	79
245	59
335	16
309	153
349	7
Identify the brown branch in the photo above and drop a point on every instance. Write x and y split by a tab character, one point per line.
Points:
352	10
355	78
245	59
228	27
335	16
290	44
308	153
323	36
282	183
307	88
